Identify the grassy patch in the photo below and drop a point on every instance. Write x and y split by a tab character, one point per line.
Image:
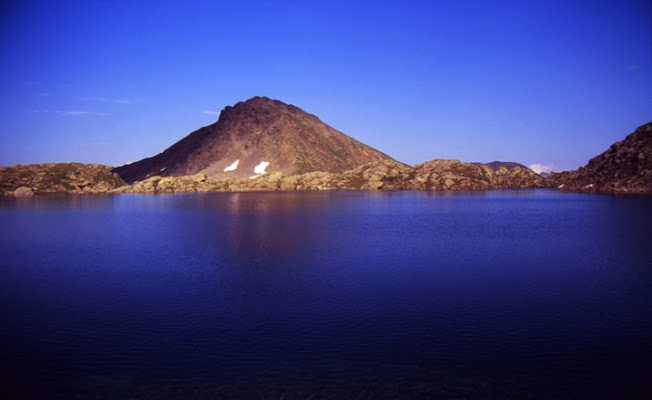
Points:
63	169
108	178
355	181
330	150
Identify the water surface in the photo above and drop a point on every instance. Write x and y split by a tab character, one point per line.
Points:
506	294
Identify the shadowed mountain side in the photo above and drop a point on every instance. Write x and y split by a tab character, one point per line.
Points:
625	168
255	137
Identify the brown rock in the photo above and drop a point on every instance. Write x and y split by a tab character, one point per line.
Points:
23	191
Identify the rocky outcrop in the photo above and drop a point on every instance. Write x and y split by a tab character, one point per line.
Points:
625	168
27	180
254	137
386	175
378	175
23	191
457	175
159	184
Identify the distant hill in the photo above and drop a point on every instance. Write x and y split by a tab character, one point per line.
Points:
625	168
255	137
496	165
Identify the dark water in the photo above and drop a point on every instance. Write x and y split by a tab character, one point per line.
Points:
516	294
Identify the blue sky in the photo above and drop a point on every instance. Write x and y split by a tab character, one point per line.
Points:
549	82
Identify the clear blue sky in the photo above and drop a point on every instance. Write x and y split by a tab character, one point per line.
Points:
550	82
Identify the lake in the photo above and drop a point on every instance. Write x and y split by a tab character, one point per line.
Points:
327	295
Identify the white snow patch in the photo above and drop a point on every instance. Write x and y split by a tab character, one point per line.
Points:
260	168
162	169
254	177
588	186
560	186
233	166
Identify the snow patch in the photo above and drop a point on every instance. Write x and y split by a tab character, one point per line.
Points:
560	186
254	177
588	186
162	169
233	166
260	168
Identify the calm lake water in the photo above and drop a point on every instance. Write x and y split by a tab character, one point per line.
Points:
506	294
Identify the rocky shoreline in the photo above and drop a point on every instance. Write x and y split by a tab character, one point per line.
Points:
75	178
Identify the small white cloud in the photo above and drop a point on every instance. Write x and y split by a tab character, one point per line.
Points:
541	168
79	113
210	112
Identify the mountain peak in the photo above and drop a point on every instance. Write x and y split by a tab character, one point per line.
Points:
252	133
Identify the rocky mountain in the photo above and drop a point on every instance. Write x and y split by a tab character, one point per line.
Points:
253	138
27	180
625	168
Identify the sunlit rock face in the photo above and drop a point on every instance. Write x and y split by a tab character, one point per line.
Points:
256	131
625	168
376	175
458	175
25	180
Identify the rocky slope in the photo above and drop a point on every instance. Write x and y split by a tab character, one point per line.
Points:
255	137
625	168
377	175
457	175
27	180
